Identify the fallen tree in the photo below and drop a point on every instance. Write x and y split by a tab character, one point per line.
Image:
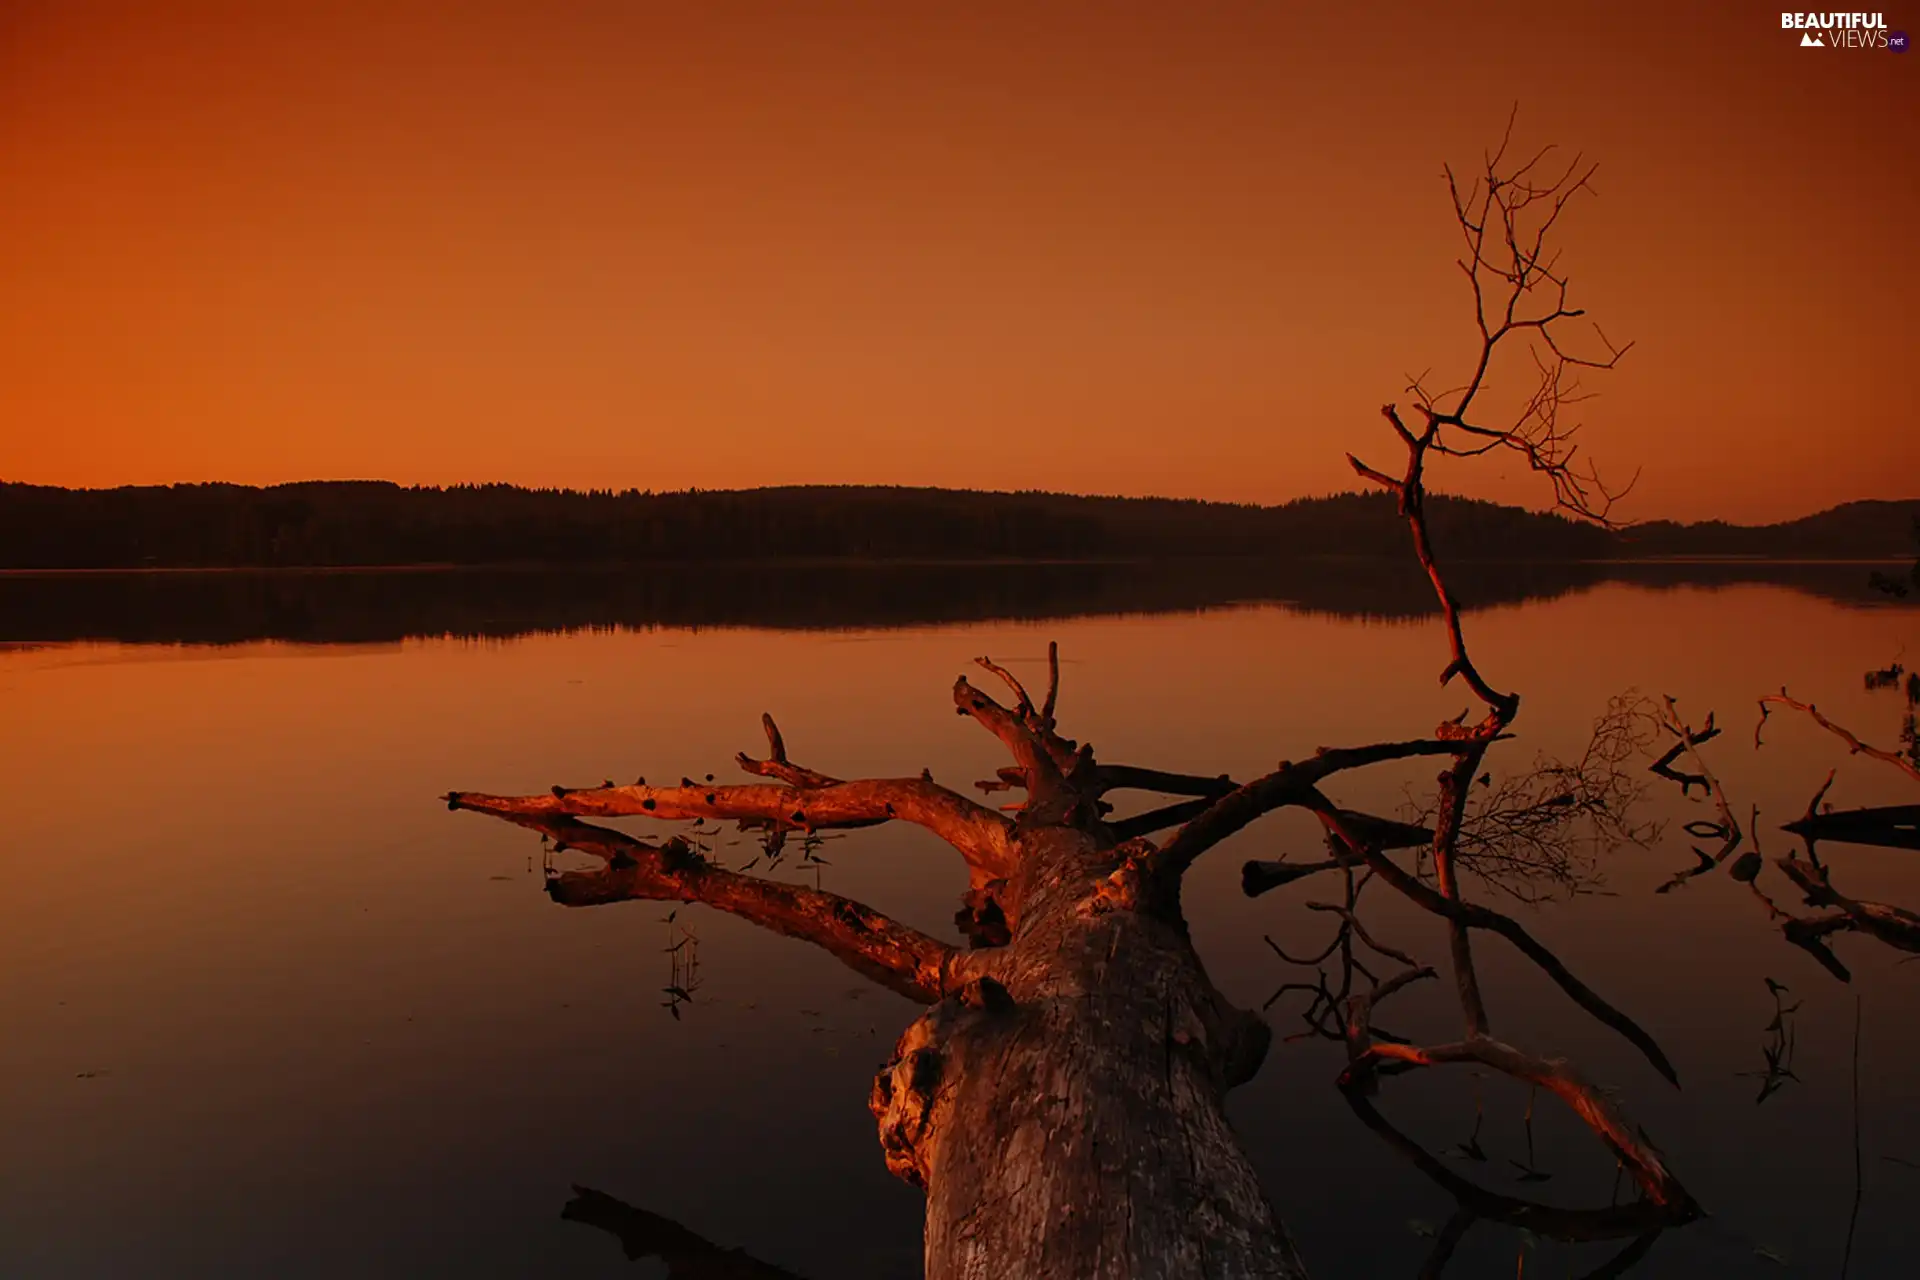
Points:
1062	1099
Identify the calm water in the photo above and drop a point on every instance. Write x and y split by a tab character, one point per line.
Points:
267	1008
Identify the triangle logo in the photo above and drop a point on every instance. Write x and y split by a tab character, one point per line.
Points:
1812	41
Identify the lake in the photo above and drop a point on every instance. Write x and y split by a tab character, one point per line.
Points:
268	1008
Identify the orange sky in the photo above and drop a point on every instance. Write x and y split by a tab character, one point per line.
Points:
1139	248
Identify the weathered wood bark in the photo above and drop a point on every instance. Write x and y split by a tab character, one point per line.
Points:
1066	1115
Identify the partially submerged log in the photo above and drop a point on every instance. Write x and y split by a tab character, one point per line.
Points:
1062	1100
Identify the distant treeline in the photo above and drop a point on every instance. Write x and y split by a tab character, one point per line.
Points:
340	523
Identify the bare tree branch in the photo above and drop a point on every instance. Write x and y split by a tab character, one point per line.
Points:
776	764
1506	216
1641	1218
983	837
1727	830
1854	745
1504	219
1517	262
1473	916
1170	815
1454	785
1892	925
1290	784
1023	705
1258	877
1053	682
1621	1137
1895	926
896	956
1124	777
1046	783
1541	832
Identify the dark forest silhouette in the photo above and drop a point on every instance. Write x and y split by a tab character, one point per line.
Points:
375	523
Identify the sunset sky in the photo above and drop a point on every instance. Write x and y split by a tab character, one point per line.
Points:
1161	248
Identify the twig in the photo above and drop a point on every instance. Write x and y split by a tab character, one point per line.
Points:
1859	1187
1854	745
1728	829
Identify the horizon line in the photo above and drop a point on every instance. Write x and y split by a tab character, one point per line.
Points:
693	490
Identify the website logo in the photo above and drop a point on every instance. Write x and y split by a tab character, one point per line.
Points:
1844	31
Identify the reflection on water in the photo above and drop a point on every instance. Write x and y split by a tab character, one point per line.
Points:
356	607
270	1010
642	1235
1639	1223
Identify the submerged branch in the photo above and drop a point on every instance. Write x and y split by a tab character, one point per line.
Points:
898	957
1557	1077
1541	832
1551	1221
1895	926
1854	745
1473	916
1727	830
1291	784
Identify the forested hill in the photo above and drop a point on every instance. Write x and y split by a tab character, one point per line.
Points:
376	523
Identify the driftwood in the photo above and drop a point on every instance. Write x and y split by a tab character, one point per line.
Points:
1895	826
1854	745
1062	1099
1895	926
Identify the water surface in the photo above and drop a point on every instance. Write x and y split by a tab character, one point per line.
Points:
267	1008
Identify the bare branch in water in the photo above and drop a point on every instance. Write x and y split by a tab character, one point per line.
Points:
1892	925
1727	829
1542	834
1854	745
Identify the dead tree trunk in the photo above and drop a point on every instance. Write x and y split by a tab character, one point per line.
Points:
1065	1113
1062	1099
